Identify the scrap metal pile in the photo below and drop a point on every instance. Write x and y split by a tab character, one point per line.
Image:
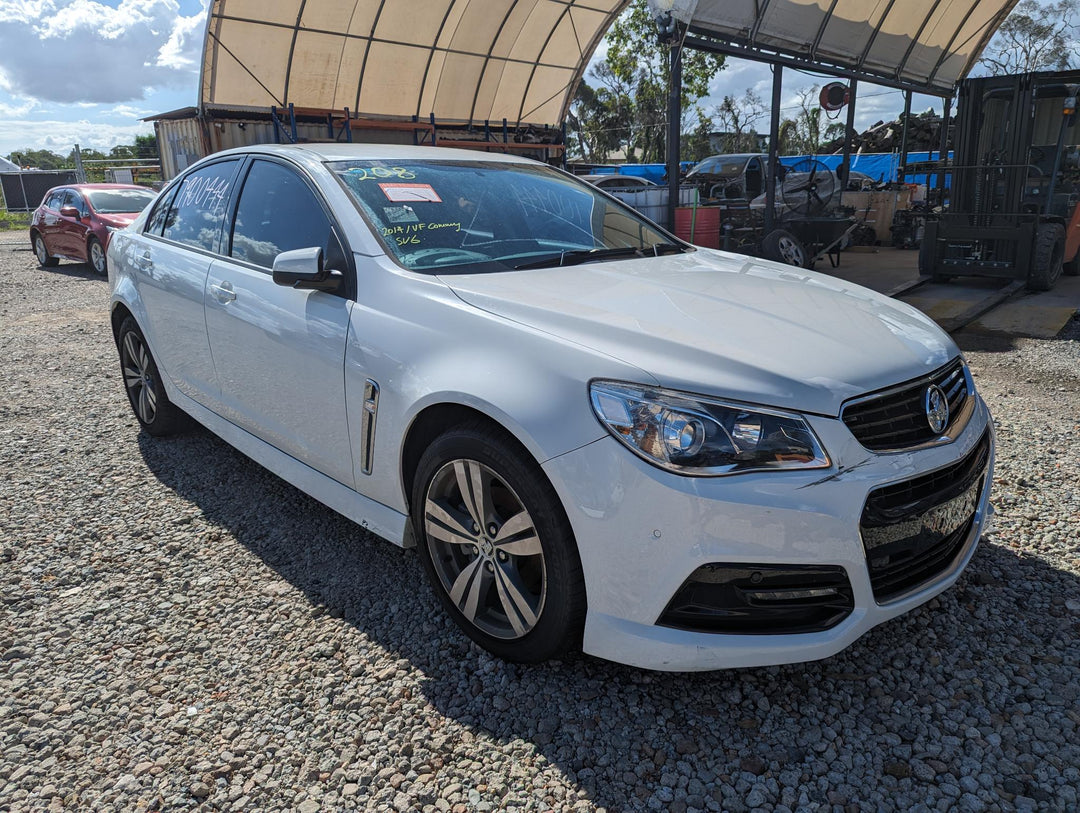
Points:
924	134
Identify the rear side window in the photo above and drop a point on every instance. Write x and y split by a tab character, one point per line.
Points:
156	220
278	212
52	201
198	207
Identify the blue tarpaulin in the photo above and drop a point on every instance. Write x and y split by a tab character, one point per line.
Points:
881	166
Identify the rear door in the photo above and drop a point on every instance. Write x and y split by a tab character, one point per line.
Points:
64	237
50	217
279	353
181	238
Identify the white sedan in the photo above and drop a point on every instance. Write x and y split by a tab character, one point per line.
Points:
596	435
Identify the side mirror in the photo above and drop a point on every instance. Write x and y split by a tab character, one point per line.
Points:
70	211
302	268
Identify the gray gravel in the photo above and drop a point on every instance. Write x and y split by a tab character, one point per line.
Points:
181	629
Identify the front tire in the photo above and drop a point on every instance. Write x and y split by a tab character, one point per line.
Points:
95	253
142	381
496	545
1047	261
42	253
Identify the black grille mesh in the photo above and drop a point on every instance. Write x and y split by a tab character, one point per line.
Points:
900	524
897	419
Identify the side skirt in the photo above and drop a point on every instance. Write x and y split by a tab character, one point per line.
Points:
380	519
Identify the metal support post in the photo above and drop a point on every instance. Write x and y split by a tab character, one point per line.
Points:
853	89
943	153
774	147
904	136
674	126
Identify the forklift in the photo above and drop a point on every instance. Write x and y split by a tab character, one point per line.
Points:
1013	210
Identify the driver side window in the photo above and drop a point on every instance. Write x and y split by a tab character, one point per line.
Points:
278	212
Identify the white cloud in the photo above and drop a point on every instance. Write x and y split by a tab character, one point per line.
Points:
126	111
61	136
86	51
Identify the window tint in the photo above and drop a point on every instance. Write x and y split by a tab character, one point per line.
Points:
53	200
77	200
198	206
156	219
279	212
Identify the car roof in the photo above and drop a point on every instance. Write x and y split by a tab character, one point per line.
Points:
375	152
90	187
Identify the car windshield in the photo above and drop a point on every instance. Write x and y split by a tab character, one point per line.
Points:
451	216
119	201
724	167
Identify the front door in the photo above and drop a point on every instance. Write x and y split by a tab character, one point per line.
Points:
280	352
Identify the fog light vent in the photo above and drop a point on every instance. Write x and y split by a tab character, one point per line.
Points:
760	599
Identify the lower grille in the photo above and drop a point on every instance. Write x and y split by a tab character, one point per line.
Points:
915	530
760	599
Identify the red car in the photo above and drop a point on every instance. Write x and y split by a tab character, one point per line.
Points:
74	222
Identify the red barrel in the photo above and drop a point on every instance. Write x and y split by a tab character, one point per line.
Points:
698	225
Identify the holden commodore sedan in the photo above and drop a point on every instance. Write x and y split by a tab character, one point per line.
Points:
596	436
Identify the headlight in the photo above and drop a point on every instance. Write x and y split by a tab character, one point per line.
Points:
704	437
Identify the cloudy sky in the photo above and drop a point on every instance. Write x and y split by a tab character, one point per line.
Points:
86	71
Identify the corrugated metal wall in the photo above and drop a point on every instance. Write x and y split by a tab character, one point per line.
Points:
180	141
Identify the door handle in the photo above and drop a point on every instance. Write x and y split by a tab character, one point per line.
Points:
223	292
144	261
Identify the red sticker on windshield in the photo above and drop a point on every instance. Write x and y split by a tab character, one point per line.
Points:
410	193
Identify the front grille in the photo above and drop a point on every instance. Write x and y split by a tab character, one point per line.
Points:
760	599
896	419
915	530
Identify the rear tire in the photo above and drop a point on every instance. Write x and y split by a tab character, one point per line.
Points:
142	381
1047	259
95	255
496	545
42	253
782	246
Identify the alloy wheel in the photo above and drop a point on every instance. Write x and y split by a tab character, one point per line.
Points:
791	251
485	549
97	256
139	378
40	250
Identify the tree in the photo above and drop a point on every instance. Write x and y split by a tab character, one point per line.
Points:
594	124
736	119
146	147
636	71
40	159
1034	37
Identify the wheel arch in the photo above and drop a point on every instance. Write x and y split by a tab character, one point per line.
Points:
434	420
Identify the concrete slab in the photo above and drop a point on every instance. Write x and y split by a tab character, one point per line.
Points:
1041	315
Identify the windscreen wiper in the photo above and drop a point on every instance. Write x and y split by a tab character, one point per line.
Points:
664	248
581	255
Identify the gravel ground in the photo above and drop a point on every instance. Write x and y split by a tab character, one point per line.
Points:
182	629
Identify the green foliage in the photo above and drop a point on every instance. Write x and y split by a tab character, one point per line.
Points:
636	72
736	120
14	221
594	126
1034	37
40	159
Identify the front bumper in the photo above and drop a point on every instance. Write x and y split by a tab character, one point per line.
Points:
642	532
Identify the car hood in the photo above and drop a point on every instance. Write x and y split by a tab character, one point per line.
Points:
724	325
120	221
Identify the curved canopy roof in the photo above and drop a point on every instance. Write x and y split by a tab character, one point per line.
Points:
921	44
461	60
486	60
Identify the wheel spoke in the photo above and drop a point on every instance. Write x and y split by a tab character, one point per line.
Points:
518	536
461	584
475	489
447	525
144	406
151	397
132	377
132	351
515	604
